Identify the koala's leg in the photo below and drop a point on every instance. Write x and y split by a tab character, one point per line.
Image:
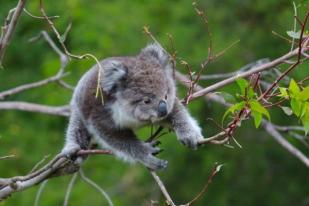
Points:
187	129
125	145
77	136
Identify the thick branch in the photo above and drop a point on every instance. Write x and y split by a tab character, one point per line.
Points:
60	165
261	68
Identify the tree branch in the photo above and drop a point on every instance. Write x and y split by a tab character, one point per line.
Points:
60	165
231	74
32	107
284	143
261	68
24	87
168	198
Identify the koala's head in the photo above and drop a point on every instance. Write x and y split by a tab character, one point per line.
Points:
143	86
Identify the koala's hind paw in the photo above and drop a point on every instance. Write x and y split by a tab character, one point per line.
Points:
149	160
154	163
70	152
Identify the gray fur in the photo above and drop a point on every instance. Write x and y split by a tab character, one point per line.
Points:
133	88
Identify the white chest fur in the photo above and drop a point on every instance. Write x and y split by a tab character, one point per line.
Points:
121	117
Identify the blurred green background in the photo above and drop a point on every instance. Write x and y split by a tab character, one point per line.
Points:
261	173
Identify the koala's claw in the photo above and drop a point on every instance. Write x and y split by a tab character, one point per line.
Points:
151	148
157	152
155	143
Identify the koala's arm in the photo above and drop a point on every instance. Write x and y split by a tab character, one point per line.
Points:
77	135
125	144
122	142
185	126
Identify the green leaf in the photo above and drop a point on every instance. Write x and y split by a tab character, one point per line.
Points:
283	92
257	107
257	118
305	122
287	110
293	88
293	34
304	109
243	84
250	92
304	95
233	108
296	106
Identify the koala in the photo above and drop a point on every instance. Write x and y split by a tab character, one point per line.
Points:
137	91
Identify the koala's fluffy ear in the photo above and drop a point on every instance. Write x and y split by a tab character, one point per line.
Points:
113	72
156	51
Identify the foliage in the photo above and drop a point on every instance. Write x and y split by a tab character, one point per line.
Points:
299	102
248	100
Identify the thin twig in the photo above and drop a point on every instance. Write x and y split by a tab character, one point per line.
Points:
96	186
56	78
214	171
168	198
6	157
36	166
300	138
283	142
294	25
65	85
39	193
219	54
32	107
25	87
69	189
5	41
39	17
231	74
289	128
99	91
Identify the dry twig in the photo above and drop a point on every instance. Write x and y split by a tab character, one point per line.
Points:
8	29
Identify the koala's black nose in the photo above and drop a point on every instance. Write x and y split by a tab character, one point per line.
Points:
162	109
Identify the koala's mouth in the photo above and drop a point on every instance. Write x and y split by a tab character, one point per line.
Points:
155	119
150	119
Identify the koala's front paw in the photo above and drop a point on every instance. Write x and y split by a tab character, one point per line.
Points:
190	136
149	160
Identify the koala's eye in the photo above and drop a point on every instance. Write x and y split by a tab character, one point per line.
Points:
165	97
147	100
